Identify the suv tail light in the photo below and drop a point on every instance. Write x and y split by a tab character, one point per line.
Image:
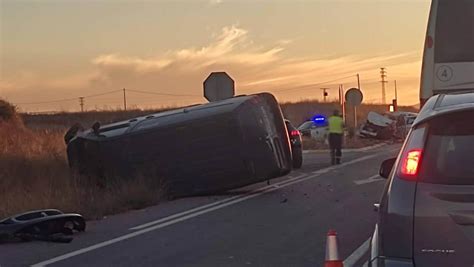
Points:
411	163
295	133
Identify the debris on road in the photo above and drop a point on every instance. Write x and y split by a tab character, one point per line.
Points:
387	126
199	149
45	225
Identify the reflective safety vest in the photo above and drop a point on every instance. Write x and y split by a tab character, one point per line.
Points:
336	125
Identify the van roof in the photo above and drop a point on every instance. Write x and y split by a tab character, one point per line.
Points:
443	104
168	117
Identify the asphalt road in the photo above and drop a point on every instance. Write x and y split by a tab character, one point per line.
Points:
281	224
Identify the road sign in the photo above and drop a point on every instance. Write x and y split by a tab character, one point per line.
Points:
218	86
354	97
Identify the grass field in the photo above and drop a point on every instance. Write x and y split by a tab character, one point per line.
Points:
34	173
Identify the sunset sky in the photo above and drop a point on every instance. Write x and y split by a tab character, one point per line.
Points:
63	49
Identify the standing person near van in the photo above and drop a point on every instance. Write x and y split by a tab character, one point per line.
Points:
336	130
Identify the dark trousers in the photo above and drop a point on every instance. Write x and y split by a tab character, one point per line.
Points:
335	145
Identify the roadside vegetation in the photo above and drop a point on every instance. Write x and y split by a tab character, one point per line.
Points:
34	172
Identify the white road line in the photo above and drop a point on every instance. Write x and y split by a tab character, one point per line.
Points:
325	170
205	206
371	179
357	254
252	194
267	189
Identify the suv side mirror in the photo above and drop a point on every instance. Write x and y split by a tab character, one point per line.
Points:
386	167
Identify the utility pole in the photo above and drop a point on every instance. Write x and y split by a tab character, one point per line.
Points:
358	81
396	95
343	102
81	103
325	94
383	75
124	100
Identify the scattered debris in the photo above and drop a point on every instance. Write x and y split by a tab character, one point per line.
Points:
387	126
46	225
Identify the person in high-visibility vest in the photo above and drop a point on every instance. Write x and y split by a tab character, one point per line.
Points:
336	131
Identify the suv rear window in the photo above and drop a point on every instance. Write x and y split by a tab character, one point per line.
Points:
448	157
454	31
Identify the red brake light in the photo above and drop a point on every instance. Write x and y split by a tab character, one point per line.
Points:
411	163
295	133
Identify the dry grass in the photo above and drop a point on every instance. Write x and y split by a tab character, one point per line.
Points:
34	174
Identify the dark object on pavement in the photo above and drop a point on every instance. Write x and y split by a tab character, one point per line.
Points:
46	225
196	150
296	145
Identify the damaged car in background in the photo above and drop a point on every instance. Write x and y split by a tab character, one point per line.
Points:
199	149
387	126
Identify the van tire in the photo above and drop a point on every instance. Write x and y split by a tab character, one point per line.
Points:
297	158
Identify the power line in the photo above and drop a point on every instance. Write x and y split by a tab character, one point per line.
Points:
48	102
305	86
101	94
66	99
97	95
161	94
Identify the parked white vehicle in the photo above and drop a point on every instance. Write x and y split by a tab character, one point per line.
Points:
448	58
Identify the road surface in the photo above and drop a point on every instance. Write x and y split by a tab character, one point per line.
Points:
281	224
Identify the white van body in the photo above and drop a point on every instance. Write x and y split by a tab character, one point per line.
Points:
448	58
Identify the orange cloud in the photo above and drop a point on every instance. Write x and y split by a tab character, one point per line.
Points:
254	67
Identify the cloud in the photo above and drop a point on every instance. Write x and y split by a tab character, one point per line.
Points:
215	2
229	47
254	67
134	63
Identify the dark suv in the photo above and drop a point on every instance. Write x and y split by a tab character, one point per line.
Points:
426	213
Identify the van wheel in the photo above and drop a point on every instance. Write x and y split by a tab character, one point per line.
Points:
297	158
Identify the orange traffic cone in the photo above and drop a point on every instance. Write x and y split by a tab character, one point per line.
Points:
332	254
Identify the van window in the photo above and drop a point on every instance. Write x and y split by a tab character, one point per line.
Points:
454	36
448	155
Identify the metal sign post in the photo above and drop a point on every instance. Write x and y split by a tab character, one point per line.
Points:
342	102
